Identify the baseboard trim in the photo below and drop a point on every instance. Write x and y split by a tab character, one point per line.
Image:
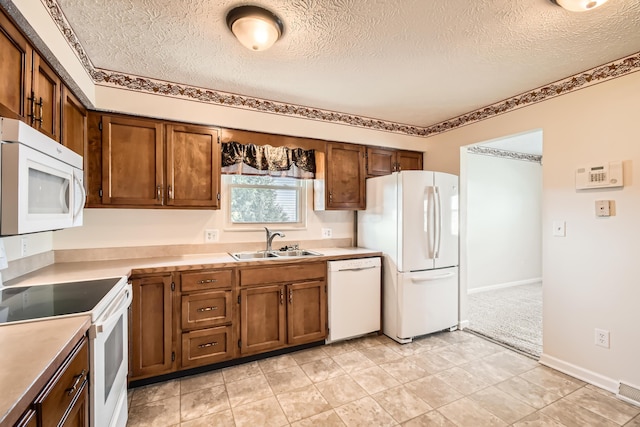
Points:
463	324
504	285
580	373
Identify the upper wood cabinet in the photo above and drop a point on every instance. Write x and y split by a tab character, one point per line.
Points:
193	166
383	161
150	163
32	92
15	71
132	161
45	99
340	179
74	123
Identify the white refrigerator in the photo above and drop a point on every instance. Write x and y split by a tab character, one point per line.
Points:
412	218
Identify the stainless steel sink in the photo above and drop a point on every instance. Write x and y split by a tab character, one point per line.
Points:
257	255
296	252
240	256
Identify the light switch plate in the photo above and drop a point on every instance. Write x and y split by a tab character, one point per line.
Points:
559	228
3	256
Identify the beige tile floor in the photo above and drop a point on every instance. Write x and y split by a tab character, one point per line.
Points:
448	379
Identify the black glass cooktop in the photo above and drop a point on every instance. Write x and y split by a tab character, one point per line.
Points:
35	302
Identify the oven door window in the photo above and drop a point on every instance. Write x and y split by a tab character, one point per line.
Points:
114	356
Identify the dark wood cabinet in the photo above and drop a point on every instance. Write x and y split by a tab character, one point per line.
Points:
15	71
280	306
193	166
74	123
206	317
152	349
343	177
64	400
262	319
383	161
306	312
409	160
132	161
46	96
137	163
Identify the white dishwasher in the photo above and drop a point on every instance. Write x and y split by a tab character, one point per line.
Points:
353	297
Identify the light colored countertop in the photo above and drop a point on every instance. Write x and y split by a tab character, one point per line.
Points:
30	353
75	271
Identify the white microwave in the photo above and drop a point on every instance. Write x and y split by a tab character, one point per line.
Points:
42	184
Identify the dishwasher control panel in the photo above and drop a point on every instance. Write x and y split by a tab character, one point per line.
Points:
354	264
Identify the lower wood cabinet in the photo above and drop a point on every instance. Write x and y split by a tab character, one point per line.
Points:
152	348
291	312
206	346
64	400
187	319
262	319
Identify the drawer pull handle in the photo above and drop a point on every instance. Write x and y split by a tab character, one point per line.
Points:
202	282
209	344
201	309
77	379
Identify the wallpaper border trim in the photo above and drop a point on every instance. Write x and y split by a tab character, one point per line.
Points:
105	77
496	152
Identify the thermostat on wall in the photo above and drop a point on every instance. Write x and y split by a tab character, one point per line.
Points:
599	176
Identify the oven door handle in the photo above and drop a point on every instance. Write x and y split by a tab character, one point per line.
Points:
113	314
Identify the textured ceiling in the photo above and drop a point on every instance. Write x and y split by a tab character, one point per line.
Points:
406	61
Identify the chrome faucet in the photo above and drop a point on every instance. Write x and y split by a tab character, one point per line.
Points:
270	236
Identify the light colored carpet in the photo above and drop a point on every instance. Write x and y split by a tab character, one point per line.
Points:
510	316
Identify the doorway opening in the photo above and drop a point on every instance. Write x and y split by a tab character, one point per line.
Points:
501	240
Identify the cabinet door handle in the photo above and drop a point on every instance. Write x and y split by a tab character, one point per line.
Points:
202	309
169	193
330	196
290	296
77	379
281	297
209	344
39	120
159	192
32	115
202	282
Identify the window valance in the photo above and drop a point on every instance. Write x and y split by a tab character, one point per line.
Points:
251	159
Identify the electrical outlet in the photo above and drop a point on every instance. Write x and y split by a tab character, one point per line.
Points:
326	233
23	246
210	235
602	338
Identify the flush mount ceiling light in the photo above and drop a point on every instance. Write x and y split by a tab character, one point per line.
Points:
256	28
579	5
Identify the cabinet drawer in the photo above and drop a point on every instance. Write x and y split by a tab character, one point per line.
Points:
206	346
203	280
66	383
206	309
280	274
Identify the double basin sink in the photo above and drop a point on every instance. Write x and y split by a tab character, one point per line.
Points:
257	255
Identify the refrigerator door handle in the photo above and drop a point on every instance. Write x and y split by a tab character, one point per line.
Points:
432	278
429	220
437	222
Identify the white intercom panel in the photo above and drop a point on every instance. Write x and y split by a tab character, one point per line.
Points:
599	176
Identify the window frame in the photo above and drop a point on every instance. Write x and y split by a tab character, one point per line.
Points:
302	187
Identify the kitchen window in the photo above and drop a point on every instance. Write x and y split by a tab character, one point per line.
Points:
265	184
265	200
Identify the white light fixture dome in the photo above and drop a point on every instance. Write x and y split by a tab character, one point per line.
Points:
256	28
579	5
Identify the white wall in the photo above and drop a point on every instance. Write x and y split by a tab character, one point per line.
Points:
107	228
504	216
590	277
